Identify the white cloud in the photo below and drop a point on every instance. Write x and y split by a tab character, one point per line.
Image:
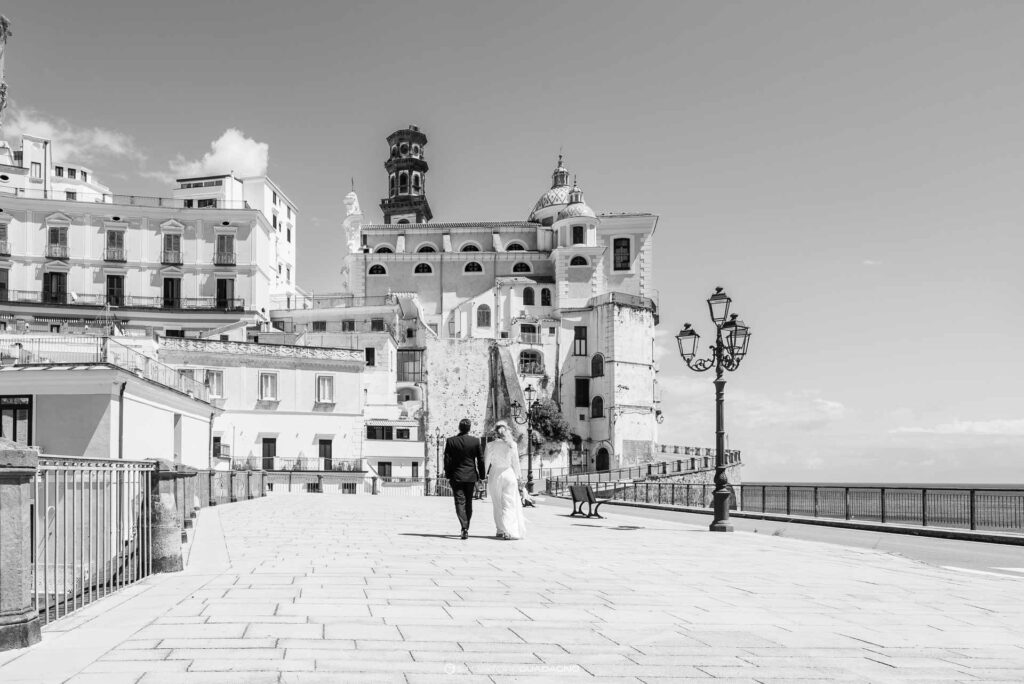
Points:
71	143
802	410
969	427
871	262
232	152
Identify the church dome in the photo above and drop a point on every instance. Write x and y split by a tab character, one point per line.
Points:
556	197
576	206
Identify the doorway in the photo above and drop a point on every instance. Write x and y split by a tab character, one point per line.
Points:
602	459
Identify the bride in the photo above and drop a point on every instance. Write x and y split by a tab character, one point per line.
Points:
501	459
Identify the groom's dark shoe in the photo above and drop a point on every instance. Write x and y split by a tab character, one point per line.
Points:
465	534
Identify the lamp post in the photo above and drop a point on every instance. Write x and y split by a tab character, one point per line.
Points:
731	340
525	417
438	436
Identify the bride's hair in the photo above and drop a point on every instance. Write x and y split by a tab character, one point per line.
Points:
508	431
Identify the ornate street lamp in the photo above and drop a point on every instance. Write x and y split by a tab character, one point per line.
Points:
438	438
525	417
731	341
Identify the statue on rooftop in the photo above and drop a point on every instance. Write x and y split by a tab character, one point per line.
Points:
5	33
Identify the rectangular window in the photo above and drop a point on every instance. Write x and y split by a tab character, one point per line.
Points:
325	389
402	433
348	326
313	488
319	326
371	356
115	239
288	274
289	235
410	365
55	288
579	343
415	469
85	176
226	293
115	290
268	386
620	249
376	325
55	327
582	392
187	373
173	333
348	487
215	380
58	236
379	432
579	235
289	213
70	196
172	293
36	170
269	452
190	204
58	171
206	204
274	221
72	174
326	448
16	419
384	469
225	245
275	199
4	284
216	446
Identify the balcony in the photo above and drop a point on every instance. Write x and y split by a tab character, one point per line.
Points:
224	259
529	338
531	368
57	251
125	301
114	254
85	195
222	450
171	256
48	351
5	248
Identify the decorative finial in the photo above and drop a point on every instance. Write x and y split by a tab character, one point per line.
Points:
353	183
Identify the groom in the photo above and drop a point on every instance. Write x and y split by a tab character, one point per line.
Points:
463	466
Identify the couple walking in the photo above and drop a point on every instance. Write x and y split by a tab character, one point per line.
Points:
467	462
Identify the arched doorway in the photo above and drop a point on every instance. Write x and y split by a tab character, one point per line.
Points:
602	459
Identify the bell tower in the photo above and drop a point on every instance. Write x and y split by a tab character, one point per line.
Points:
407	178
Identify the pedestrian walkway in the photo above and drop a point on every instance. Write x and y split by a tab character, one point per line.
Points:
305	588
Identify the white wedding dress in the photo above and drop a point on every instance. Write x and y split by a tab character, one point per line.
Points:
501	459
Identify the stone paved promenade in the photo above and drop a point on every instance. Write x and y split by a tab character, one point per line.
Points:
312	588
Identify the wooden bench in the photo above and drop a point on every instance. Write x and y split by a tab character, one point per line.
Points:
583	494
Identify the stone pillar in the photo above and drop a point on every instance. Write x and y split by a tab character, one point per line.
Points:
166	523
19	619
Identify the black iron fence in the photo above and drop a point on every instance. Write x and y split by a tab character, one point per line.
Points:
90	530
991	509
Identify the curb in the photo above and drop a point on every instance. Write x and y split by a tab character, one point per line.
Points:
941	532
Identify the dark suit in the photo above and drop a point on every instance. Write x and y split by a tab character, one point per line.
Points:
463	466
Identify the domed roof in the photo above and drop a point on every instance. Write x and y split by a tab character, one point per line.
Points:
576	206
576	210
557	195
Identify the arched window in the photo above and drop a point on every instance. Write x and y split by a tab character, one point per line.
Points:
377	269
474	267
416	150
470	248
579	235
578	261
394	150
545	297
404	149
391	184
426	248
528	297
401	221
383	250
416	182
423	268
403	183
597	408
515	247
597	366
531	362
483	316
521	267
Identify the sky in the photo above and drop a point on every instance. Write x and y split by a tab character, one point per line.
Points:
850	173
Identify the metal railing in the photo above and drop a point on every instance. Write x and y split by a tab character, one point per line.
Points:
57	251
126	301
305	464
991	509
90	530
224	259
171	256
531	368
655	470
29	351
114	254
130	200
654	492
529	338
329	301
